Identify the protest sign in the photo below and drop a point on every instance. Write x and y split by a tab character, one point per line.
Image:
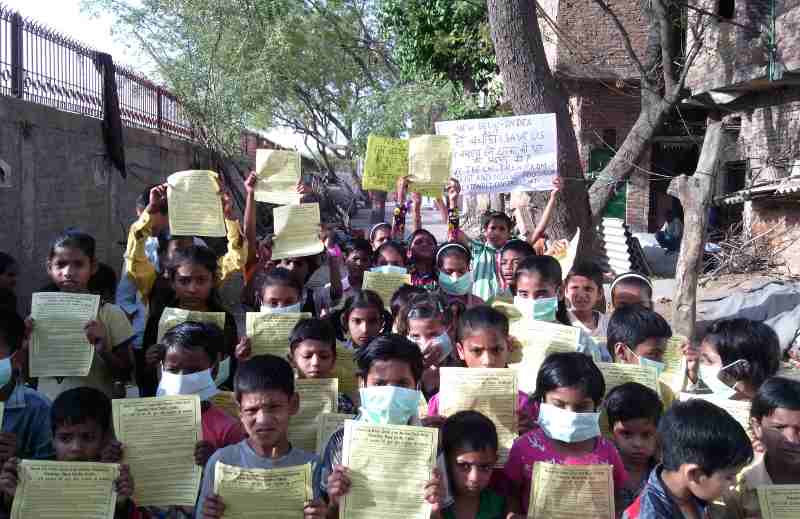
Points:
387	160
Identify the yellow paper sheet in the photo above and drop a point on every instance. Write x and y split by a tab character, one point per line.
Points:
541	336
327	424
172	317
159	436
275	493
278	173
385	284
673	361
779	501
59	347
296	231
345	370
429	159
56	489
571	492
389	467
616	374
738	409
226	400
387	160
317	396
195	207
492	392
269	333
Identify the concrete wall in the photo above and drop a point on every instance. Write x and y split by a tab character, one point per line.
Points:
60	177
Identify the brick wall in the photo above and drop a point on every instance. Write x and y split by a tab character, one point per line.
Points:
782	217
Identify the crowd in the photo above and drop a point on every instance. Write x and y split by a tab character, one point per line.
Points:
669	458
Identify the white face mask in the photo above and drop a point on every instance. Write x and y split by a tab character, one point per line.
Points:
291	309
390	269
200	384
710	375
389	404
442	342
566	426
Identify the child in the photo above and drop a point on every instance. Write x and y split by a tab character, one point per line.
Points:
637	335
71	263
391	254
775	419
583	290
9	270
380	234
702	450
483	343
26	415
81	430
361	319
400	299
538	295
421	255
455	278
511	255
469	442
358	259
312	347
569	389
281	292
389	370
633	412
631	288
265	392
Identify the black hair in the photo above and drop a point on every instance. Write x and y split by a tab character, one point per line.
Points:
104	283
6	262
752	341
357	245
192	335
701	433
74	239
143	200
360	299
589	270
264	373
452	249
281	277
570	370
468	431
418	232
496	215
12	329
389	347
633	324
774	393
482	317
377	227
390	244
632	401
195	255
520	246
423	306
548	268
314	330
79	405
401	297
634	280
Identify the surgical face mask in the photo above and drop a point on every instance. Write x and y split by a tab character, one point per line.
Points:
389	269
5	371
644	361
291	309
442	342
223	372
456	286
542	309
200	384
710	375
389	405
566	426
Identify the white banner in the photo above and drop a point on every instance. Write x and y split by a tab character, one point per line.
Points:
503	154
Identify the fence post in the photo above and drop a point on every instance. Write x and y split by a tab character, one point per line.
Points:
17	70
159	111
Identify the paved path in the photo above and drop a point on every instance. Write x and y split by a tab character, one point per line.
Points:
431	221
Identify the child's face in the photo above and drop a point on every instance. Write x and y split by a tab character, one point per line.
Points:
299	267
624	295
278	296
422	247
653	349
422	331
70	269
364	324
80	442
313	359
497	233
192	285
455	264
780	434
571	399
509	261
185	361
390	256
471	470
357	262
380	237
709	355
636	440
532	286
265	415
8	279
391	372
484	348
582	293
710	488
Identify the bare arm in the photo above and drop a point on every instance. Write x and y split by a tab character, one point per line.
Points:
546	214
250	219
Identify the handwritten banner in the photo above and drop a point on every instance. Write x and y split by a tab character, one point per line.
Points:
387	160
503	154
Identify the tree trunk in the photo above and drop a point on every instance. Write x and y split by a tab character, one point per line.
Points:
695	194
531	88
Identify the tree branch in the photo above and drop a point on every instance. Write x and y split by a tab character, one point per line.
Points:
666	51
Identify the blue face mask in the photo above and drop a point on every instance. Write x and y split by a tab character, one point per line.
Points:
5	371
389	405
389	269
291	309
643	361
456	286
542	309
442	342
566	426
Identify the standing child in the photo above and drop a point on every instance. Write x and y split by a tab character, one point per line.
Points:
569	389
633	412
583	290
511	255
379	234
455	278
71	263
422	260
631	288
702	450
361	319
390	254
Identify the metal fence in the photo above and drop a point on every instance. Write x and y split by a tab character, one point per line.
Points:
40	65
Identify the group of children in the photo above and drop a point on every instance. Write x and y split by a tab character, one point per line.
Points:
669	458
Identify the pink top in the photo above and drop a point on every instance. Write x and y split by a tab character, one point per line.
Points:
219	429
536	446
527	409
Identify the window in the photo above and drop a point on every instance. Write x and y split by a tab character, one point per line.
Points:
726	8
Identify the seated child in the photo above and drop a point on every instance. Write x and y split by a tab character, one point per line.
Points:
312	347
569	389
702	450
775	419
265	392
583	288
631	288
633	412
81	421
